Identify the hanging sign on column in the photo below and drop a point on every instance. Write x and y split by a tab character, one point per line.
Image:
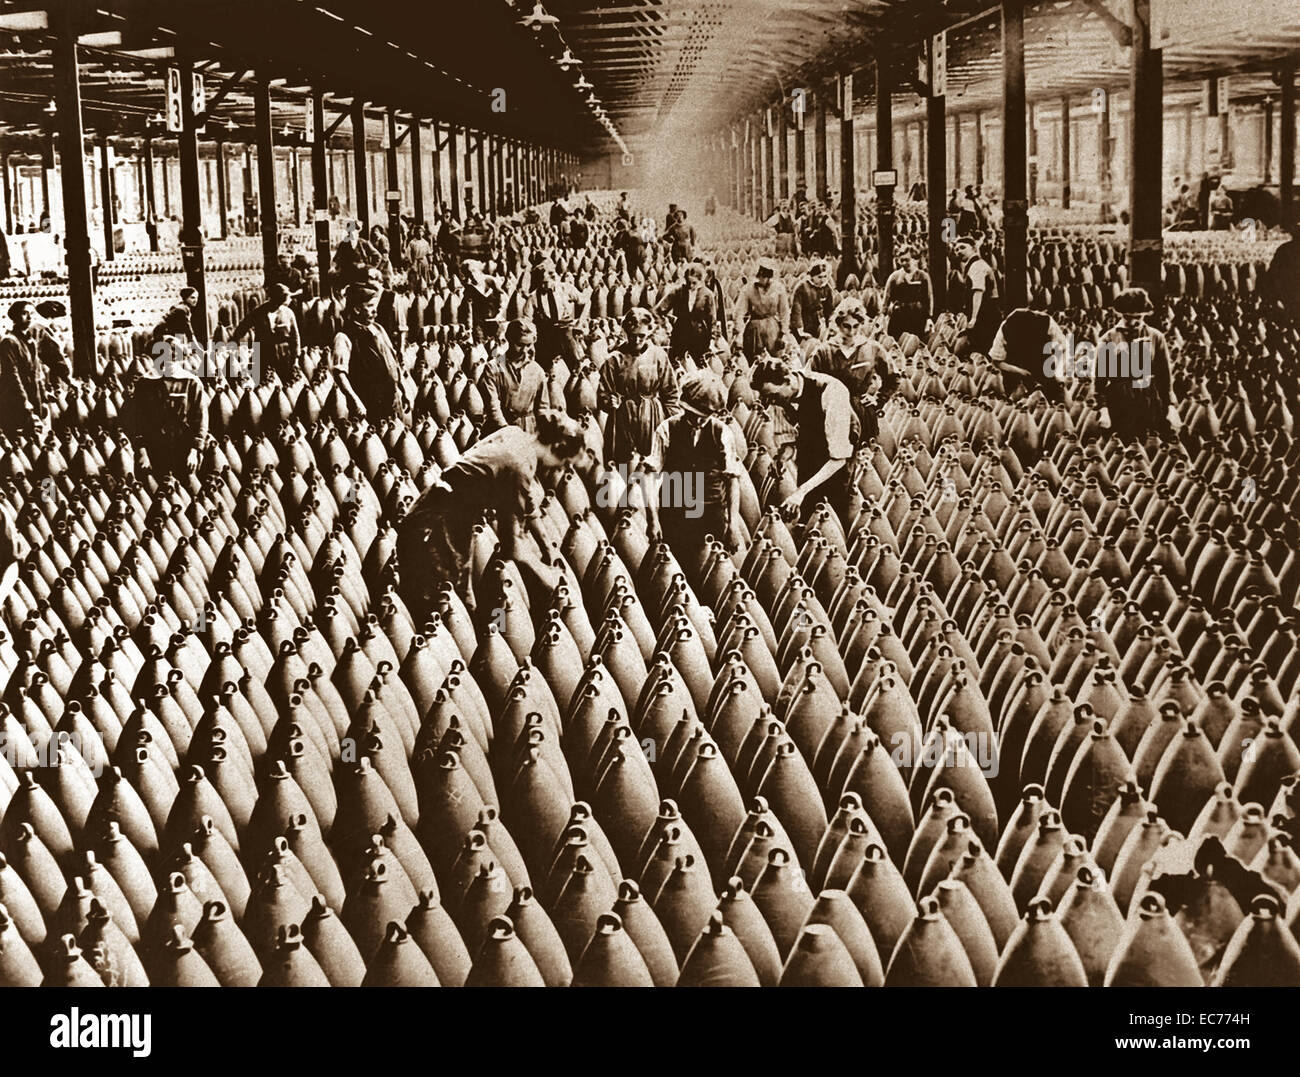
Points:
939	64
175	122
198	100
309	123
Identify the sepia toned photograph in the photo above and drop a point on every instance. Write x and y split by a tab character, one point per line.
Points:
649	493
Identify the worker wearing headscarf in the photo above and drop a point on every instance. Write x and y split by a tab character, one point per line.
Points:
638	390
812	303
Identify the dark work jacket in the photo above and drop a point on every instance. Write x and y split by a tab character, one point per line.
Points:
810	307
1026	334
22	385
374	371
690	450
693	327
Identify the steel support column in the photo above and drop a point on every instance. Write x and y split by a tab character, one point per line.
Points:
1014	197
295	181
105	196
769	168
8	192
417	170
361	197
392	191
480	172
1033	154
150	209
783	158
1066	164
1146	131
191	205
848	189
801	147
821	162
320	192
223	198
453	157
47	167
956	151
1286	145
435	132
1104	179
936	175
76	225
266	177
1268	141
884	163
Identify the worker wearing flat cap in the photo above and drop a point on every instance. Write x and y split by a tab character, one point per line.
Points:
514	385
369	367
762	311
1132	382
696	467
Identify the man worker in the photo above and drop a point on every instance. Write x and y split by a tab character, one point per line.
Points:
49	350
1028	344
984	312
820	425
514	386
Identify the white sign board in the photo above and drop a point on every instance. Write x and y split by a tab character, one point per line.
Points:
175	122
939	64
